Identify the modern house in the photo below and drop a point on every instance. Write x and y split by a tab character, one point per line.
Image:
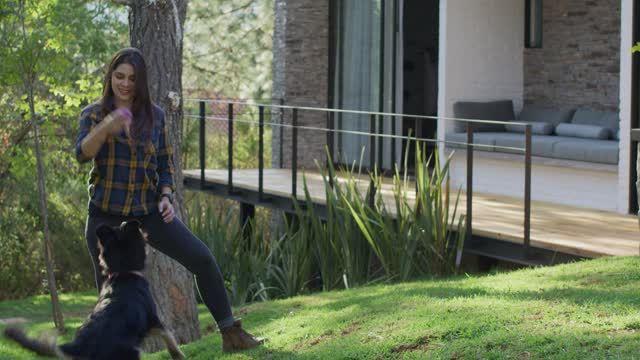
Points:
422	57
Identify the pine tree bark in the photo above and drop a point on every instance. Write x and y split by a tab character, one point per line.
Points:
155	27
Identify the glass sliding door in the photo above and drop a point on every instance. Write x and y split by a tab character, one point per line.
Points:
364	76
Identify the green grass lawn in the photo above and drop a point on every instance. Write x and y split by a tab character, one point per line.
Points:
586	310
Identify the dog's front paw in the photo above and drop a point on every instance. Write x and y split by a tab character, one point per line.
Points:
176	354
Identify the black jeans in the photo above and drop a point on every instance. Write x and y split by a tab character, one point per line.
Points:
176	241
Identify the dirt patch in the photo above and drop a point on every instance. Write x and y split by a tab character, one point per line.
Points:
350	328
320	339
590	282
534	317
526	355
422	344
326	336
622	332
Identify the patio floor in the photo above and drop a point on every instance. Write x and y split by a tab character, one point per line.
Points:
554	227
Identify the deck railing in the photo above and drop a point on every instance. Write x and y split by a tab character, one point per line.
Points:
635	140
374	118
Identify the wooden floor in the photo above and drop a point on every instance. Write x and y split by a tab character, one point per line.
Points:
577	231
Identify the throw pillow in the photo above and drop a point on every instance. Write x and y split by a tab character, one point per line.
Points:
583	131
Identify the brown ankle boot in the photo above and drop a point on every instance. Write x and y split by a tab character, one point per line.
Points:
234	338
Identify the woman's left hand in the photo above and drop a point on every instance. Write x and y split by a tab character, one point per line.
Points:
166	210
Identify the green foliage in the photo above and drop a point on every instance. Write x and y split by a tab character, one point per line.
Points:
341	250
245	137
19	256
64	49
227	49
244	262
412	237
59	47
354	245
635	48
290	261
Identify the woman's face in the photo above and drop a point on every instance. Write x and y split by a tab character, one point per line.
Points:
123	84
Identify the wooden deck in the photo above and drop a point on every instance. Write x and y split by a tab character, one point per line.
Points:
566	229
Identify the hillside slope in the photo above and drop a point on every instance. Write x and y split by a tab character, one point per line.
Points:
585	310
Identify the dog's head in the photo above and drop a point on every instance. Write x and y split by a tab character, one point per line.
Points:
122	248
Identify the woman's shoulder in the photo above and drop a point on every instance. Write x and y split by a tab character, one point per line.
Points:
92	111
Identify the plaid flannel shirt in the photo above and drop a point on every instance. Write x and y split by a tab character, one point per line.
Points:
127	174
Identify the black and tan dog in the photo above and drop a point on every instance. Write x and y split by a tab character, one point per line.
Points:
125	313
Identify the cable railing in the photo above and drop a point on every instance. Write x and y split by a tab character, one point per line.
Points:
376	120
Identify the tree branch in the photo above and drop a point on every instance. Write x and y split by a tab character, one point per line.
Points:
239	8
122	2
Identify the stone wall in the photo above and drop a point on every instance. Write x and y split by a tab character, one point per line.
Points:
579	62
300	75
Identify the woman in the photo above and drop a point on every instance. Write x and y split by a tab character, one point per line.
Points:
125	135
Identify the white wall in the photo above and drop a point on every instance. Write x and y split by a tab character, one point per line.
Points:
481	58
481	53
626	39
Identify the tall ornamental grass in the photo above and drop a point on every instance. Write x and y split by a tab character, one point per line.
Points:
360	239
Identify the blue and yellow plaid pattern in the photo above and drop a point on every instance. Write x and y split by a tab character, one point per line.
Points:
127	174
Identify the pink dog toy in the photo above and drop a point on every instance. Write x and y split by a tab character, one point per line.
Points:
126	113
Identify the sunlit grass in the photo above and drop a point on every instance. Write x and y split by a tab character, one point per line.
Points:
585	310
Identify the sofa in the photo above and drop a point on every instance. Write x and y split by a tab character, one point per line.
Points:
575	134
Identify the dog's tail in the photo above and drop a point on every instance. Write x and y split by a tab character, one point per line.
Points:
39	346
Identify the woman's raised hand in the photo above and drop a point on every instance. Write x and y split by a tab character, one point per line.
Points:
118	120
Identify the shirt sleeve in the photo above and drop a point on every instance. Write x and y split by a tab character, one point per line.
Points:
165	156
86	124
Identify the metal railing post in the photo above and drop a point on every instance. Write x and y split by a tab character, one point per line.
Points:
281	131
372	158
469	216
230	150
260	152
379	140
294	154
330	124
393	143
527	191
202	142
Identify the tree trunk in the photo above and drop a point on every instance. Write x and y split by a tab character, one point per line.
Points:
155	27
58	320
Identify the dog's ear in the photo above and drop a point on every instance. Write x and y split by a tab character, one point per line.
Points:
106	234
130	226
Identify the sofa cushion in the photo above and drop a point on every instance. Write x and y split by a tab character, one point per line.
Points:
550	146
589	150
583	131
501	110
505	142
537	128
459	140
609	120
541	145
532	113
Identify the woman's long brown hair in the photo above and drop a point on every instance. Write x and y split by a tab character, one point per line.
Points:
142	107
